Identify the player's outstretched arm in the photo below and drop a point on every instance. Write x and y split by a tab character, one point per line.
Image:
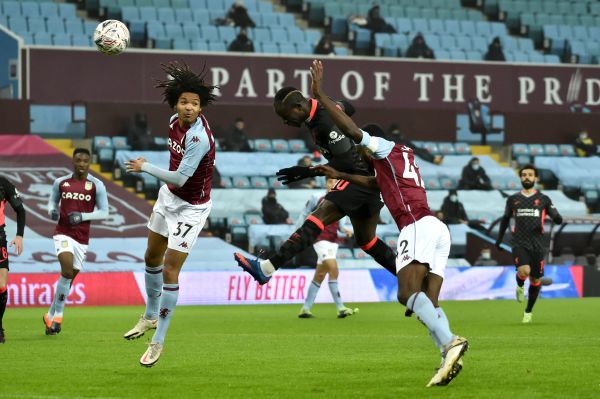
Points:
341	120
140	165
364	181
553	213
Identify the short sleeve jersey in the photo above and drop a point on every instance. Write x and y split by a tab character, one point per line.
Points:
192	153
529	213
399	180
77	196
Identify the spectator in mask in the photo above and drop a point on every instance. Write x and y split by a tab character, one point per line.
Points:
474	177
495	52
453	209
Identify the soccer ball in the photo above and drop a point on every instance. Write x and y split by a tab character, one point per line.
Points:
111	37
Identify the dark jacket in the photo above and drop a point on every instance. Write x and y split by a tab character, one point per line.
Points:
495	52
241	43
325	46
376	23
235	140
273	212
474	179
239	15
419	49
454	212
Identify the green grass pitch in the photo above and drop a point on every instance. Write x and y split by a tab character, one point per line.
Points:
265	351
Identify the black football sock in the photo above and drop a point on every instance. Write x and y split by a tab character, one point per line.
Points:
534	291
382	253
3	299
298	241
520	282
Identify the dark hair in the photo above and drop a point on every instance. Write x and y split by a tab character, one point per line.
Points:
284	94
184	80
528	166
374	130
474	159
80	150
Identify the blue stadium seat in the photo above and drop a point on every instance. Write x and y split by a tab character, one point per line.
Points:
566	150
180	5
120	143
226	182
265	7
183	15
240	182
551	150
161	3
306	48
462	148
61	39
263	145
272	48
36	24
66	10
420	25
209	33
448	183
279	35
280	145
74	27
49	9
259	182
30	9
42	38
101	142
520	149
227	33
217	46
255	217
297	145
199	45
360	254
468	28
287	48
148	14
260	34
274	183
82	41
445	148
452	27
27	37
201	17
173	30
191	31
432	183
163	43
155	30
536	150
11	8
391	241
166	15
181	44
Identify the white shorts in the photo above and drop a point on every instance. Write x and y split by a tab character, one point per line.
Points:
426	241
64	243
325	250
178	220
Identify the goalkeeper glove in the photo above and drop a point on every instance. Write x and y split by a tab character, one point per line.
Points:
75	218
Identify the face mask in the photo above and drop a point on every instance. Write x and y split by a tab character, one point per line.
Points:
453	198
583	136
486	254
527	184
475	166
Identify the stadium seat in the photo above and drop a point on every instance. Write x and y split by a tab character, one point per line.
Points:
566	150
61	39
262	145
253	218
280	145
297	145
432	183
360	254
520	149
259	182
462	148
536	150
551	150
274	183
120	143
240	182
391	241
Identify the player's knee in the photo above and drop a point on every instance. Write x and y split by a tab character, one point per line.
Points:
152	260
68	274
403	297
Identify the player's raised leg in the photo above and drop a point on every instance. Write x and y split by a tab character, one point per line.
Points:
153	278
522	275
73	254
367	240
301	239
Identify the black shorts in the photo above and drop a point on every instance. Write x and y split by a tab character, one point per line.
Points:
3	254
354	200
533	258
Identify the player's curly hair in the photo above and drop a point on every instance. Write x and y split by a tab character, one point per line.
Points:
185	80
